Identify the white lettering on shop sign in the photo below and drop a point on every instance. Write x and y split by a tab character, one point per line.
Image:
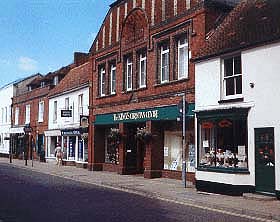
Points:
136	115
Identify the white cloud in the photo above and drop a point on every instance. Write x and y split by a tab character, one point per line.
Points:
27	64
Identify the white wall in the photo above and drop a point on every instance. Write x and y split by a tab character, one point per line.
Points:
260	66
65	122
6	95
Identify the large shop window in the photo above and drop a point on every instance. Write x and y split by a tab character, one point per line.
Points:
111	146
173	150
222	142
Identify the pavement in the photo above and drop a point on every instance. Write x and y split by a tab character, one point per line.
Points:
251	206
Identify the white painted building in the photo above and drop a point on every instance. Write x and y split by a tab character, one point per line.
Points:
237	108
6	94
68	104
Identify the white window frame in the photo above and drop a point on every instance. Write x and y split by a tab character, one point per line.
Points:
102	81
27	114
224	78
113	80
166	67
143	59
129	71
54	111
41	111
185	45
80	103
16	115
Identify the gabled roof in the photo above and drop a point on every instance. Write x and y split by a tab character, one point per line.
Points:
74	79
251	23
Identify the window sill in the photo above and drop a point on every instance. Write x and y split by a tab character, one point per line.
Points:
171	82
224	170
106	96
240	99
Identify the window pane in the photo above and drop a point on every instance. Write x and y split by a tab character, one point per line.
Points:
229	86
237	65
143	73
113	81
238	83
228	63
183	62
129	76
165	67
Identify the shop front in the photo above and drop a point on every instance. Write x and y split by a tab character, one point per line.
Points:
74	143
222	148
17	141
143	141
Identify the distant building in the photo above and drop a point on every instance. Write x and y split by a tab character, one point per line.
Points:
237	109
68	114
30	113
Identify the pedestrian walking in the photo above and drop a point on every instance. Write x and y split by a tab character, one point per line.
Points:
58	154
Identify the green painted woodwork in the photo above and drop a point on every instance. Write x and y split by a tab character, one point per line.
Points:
142	115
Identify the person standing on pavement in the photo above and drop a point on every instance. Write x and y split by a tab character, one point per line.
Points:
58	154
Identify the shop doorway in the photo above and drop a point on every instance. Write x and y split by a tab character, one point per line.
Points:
134	150
265	160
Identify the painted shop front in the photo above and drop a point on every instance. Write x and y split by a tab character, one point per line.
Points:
74	143
143	141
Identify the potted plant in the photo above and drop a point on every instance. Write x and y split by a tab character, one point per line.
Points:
114	136
143	135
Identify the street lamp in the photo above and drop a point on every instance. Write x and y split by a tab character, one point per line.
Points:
183	108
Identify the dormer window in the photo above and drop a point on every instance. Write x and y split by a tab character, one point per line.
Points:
42	84
55	80
29	88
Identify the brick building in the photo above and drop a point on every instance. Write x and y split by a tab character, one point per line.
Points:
30	113
141	70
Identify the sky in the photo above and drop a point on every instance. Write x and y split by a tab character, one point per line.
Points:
42	35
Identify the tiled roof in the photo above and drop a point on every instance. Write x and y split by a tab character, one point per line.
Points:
75	78
251	23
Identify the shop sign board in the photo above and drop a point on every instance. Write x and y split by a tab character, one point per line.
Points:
66	113
70	132
142	115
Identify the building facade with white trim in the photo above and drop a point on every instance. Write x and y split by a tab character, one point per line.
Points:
237	113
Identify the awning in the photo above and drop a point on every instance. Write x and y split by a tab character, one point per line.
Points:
15	130
52	133
142	115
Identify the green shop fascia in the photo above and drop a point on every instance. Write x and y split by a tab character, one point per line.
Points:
142	115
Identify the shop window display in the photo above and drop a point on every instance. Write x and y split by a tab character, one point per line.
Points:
223	143
112	142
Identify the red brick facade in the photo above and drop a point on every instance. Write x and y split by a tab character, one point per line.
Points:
144	31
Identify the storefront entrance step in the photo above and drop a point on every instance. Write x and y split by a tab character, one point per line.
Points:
258	196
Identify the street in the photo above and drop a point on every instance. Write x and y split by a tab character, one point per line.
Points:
31	196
